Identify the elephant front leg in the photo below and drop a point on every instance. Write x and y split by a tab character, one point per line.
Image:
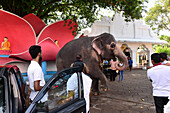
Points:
98	75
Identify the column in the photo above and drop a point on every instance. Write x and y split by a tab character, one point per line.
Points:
44	67
150	53
134	51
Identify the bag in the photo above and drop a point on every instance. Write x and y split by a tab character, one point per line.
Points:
79	64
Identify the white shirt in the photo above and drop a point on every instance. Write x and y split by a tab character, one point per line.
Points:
160	76
35	73
72	84
121	64
165	62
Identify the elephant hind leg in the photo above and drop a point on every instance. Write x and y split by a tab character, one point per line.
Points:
95	86
103	81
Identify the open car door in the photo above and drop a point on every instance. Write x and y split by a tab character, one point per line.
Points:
63	93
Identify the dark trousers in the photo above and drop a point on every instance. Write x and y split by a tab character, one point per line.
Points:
112	75
159	103
130	67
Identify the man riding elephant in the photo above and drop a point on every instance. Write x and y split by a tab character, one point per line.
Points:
93	50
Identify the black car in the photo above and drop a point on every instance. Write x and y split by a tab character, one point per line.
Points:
58	100
12	90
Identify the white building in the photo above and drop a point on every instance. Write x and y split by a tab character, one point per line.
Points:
133	37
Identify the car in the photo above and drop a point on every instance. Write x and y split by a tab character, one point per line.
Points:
58	100
12	90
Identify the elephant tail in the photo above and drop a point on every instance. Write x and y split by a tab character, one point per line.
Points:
59	63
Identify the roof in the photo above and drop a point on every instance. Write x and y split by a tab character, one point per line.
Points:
154	40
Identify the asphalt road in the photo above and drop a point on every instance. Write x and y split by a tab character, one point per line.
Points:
132	95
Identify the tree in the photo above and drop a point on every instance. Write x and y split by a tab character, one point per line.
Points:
158	17
84	12
164	47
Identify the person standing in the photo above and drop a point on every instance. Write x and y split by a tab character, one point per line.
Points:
79	62
159	75
113	73
72	83
121	71
164	59
130	63
35	73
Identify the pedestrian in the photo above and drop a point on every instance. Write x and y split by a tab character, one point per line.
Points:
72	83
120	71
130	63
159	75
164	59
35	73
79	62
113	73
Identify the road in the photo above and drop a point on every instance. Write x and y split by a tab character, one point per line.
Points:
132	95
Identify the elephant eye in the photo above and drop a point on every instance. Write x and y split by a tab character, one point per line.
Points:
113	45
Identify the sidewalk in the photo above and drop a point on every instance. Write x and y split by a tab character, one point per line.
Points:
132	95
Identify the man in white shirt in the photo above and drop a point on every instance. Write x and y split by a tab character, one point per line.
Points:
164	59
35	73
160	76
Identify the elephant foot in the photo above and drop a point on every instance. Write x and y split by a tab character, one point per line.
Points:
95	93
103	88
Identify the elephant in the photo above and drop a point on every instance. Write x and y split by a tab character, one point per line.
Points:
92	50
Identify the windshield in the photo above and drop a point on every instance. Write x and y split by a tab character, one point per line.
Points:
2	98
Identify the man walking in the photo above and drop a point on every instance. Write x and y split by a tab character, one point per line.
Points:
160	78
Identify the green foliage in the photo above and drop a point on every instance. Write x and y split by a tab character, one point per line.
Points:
160	49
166	38
84	12
158	17
164	47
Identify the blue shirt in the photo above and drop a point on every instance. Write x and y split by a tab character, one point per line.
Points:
130	62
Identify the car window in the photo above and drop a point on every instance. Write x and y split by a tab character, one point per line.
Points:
63	91
2	95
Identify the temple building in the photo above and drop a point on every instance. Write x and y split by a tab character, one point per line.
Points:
134	38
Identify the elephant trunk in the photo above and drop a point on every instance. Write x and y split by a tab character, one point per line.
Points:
125	63
121	56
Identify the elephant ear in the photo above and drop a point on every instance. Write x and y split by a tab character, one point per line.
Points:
97	45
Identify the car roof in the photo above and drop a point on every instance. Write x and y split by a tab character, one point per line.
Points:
10	66
4	69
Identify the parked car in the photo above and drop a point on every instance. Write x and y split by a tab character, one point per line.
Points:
58	101
12	90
